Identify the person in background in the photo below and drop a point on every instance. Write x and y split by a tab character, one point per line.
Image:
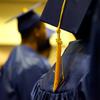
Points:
25	66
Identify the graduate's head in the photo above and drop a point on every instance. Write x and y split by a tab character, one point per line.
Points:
32	30
45	49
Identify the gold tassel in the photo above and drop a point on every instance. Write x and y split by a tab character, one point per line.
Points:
58	63
59	42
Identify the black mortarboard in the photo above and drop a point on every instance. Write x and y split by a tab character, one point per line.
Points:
73	15
27	20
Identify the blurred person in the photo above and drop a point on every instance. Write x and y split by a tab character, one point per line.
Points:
25	66
76	58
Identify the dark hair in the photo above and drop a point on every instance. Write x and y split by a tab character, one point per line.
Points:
27	32
46	45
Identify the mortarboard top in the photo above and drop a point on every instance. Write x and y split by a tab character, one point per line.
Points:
73	15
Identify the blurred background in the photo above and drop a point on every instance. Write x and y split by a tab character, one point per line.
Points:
9	36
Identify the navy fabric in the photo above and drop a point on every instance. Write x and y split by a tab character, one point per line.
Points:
92	81
84	32
2	96
75	64
74	13
23	68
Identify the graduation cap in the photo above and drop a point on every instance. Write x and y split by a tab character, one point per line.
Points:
74	12
65	14
27	21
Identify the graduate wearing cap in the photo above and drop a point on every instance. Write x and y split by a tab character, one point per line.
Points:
66	80
25	66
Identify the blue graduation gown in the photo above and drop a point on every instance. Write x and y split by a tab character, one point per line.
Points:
92	80
75	66
2	96
23	68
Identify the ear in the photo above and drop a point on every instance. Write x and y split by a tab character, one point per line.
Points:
37	34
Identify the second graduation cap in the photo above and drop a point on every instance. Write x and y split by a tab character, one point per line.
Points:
73	15
27	21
